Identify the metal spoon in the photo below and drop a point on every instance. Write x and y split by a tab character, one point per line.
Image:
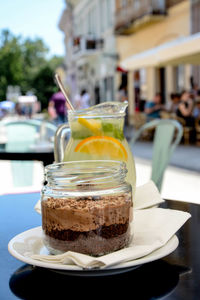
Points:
60	84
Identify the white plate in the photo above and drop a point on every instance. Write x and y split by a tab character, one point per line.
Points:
169	247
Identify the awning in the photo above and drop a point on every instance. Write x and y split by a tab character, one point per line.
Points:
184	50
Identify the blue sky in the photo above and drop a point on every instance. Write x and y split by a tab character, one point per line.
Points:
34	18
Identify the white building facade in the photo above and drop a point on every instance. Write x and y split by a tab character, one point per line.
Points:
91	56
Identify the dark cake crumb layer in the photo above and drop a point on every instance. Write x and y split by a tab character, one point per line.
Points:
106	232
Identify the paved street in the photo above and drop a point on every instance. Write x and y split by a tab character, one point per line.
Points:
186	157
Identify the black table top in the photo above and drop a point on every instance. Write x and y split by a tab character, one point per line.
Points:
174	277
47	157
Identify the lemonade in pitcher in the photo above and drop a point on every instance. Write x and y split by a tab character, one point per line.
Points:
96	133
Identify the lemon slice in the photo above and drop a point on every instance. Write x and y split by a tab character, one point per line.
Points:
93	125
103	146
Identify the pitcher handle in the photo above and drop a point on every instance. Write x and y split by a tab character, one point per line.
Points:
59	142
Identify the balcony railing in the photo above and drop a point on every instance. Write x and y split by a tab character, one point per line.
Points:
86	45
134	10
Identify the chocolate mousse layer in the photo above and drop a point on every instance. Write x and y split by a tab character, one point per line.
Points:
92	225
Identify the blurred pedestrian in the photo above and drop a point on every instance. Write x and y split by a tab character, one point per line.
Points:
29	110
194	91
175	99
58	101
18	109
77	101
51	111
1	114
85	99
196	111
153	108
185	109
122	94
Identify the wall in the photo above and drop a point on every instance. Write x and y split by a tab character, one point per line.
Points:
175	24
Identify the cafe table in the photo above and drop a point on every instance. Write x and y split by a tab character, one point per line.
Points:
46	156
174	277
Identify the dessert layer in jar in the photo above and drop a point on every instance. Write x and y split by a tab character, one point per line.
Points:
89	225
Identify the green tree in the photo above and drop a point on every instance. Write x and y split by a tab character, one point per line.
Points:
44	85
34	58
24	62
43	81
55	62
11	62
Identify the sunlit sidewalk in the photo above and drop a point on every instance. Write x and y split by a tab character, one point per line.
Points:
178	183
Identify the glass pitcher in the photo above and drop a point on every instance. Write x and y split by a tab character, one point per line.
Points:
96	133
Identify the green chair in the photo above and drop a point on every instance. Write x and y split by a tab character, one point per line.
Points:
167	136
20	135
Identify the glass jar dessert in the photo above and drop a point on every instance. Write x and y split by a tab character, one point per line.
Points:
86	207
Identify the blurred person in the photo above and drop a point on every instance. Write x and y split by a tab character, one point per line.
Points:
153	108
185	109
122	94
196	111
18	109
51	111
58	101
123	97
37	107
1	114
85	99
29	110
194	91
175	99
77	101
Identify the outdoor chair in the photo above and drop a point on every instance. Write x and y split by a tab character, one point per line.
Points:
187	130
138	119
20	136
167	136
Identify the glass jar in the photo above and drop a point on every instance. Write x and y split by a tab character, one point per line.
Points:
86	207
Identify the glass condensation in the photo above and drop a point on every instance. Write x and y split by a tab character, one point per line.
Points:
86	207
